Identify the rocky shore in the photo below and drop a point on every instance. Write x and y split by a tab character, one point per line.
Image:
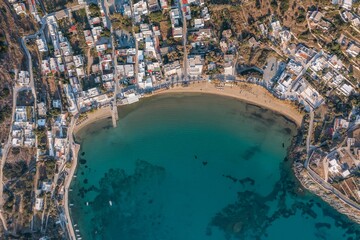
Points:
310	184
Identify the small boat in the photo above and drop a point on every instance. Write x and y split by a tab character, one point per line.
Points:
75	225
77	230
71	204
87	203
110	203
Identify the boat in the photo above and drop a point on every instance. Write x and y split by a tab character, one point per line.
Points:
110	203
87	203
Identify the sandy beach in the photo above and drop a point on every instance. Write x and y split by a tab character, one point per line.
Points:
99	114
249	93
246	92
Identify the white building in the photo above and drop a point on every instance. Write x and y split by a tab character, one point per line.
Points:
39	203
41	44
353	50
346	89
195	65
24	78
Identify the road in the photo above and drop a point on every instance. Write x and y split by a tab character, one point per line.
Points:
308	138
74	152
17	89
114	113
185	60
30	69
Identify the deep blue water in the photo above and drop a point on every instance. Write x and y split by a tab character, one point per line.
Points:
199	167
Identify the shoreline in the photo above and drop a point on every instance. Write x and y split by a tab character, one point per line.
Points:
251	94
92	117
246	92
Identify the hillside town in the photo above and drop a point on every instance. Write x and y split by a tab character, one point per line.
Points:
92	55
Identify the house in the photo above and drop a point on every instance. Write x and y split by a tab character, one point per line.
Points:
126	70
228	69
80	72
46	186
41	123
24	78
127	10
205	14
355	22
19	8
195	65
335	62
89	38
276	27
307	95
198	23
42	109
164	4
45	67
319	64
347	4
39	203
316	16
263	29
203	34
353	50
101	47
53	65
177	32
340	123
140	8
95	68
42	46
78	60
285	36
173	68
56	103
153	5
72	107
346	89
334	167
175	17
187	12
73	29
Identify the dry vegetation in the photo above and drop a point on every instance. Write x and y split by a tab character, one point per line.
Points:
11	57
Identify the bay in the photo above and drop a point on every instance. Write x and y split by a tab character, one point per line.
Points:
195	166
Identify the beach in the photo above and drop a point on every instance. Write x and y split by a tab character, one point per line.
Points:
249	93
98	114
246	92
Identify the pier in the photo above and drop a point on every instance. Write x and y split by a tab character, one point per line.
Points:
114	115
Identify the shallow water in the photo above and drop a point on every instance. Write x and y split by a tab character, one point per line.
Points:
195	167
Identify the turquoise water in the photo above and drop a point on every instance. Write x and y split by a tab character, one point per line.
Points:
195	167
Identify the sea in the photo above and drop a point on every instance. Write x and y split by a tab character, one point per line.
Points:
195	167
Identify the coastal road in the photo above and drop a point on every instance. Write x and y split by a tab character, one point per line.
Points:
308	138
185	60
74	150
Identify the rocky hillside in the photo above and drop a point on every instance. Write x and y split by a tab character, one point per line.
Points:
12	27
